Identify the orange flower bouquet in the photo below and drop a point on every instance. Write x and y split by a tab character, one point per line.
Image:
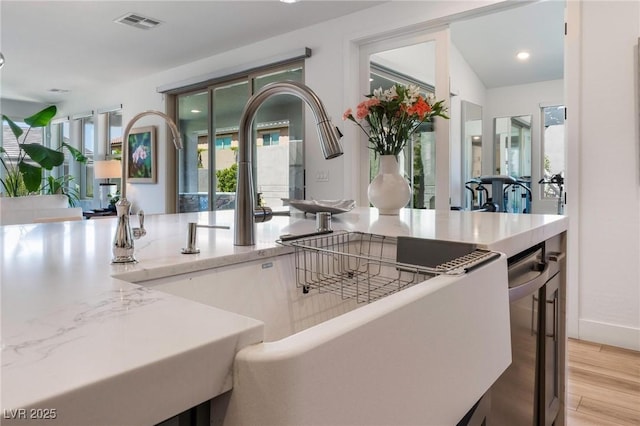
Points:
390	117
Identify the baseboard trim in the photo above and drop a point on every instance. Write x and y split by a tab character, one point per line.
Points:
610	334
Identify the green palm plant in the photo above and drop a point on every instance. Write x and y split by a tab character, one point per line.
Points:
23	175
62	185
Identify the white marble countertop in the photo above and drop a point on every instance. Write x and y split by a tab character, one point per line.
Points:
80	339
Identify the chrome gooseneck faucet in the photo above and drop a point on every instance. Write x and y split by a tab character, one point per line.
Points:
123	240
244	230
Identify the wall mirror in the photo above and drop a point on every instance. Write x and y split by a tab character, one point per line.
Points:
471	145
512	146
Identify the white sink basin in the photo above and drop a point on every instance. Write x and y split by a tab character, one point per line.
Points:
263	290
423	355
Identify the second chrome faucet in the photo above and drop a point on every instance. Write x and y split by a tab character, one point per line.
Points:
123	250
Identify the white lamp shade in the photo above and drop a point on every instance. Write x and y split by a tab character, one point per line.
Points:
107	169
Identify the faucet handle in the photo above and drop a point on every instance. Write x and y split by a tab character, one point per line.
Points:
262	214
140	232
141	218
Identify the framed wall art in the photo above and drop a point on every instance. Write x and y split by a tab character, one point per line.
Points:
142	164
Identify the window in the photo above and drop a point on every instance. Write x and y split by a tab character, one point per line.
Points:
553	150
223	142
10	144
268	139
114	134
512	139
12	150
60	132
194	158
88	149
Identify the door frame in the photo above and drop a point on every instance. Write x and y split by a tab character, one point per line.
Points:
440	35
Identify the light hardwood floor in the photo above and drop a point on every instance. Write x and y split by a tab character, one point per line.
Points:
604	385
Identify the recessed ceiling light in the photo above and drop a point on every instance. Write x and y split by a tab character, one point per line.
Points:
289	1
523	55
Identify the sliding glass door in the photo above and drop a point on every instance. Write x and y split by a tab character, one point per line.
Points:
193	165
279	128
209	121
228	102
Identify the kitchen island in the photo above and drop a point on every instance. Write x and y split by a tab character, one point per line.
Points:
82	344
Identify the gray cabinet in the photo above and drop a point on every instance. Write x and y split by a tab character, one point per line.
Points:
531	390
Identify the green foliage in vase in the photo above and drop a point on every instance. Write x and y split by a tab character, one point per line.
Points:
62	185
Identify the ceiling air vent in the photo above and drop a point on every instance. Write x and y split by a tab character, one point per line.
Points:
138	21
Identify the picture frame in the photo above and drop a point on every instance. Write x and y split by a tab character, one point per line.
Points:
142	164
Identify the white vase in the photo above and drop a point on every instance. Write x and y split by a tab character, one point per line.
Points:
389	190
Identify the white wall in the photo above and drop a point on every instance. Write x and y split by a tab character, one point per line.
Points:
18	110
466	86
607	172
416	60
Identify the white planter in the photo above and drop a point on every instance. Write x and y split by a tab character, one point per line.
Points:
389	190
36	208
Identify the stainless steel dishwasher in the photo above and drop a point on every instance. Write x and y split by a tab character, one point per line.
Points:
527	392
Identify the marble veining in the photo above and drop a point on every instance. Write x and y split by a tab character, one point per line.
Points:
68	325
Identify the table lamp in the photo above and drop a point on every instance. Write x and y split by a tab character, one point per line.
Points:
107	169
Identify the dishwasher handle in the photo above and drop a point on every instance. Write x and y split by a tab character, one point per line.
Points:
525	289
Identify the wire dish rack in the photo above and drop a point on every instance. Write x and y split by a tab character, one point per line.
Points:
364	266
